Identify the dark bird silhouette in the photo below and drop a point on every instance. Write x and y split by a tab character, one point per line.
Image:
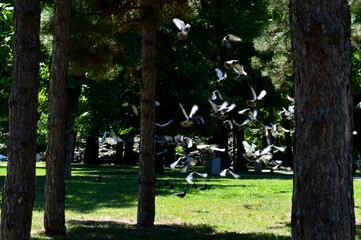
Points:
99	178
181	194
204	187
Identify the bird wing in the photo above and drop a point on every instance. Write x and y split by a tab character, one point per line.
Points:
228	124
243	111
261	94
225	42
193	111
247	147
234	174
179	23
173	165
254	95
219	74
183	111
281	149
231	107
189	178
223	172
203	175
239	69
233	38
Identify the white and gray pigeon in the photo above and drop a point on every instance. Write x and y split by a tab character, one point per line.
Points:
236	67
184	28
230	38
220	76
189	118
253	101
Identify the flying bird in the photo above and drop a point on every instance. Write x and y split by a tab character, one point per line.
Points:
253	102
184	28
163	125
236	67
207	147
189	118
181	194
204	187
220	111
224	172
98	179
220	75
190	176
358	106
230	38
215	95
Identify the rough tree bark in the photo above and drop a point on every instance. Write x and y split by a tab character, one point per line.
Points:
54	189
323	204
18	192
146	201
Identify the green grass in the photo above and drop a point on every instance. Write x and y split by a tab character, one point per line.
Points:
256	206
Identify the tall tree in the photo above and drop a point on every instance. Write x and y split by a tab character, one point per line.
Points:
54	215
18	193
323	204
146	201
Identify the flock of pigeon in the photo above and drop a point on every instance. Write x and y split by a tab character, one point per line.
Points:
220	109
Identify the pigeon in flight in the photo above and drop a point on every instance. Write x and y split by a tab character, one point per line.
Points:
189	178
224	172
98	179
204	187
163	125
253	102
236	67
215	95
184	28
220	75
189	118
230	38
181	194
358	106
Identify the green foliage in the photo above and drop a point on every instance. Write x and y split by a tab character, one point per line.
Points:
6	32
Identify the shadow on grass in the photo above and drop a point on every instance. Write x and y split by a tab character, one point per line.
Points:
117	230
119	186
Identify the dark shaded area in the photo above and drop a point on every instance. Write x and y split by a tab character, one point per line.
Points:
119	230
91	150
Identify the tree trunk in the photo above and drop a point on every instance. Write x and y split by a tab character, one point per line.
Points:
91	155
19	187
146	201
323	204
241	163
54	189
288	162
73	95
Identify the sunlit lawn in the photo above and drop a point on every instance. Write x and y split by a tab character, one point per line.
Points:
256	206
